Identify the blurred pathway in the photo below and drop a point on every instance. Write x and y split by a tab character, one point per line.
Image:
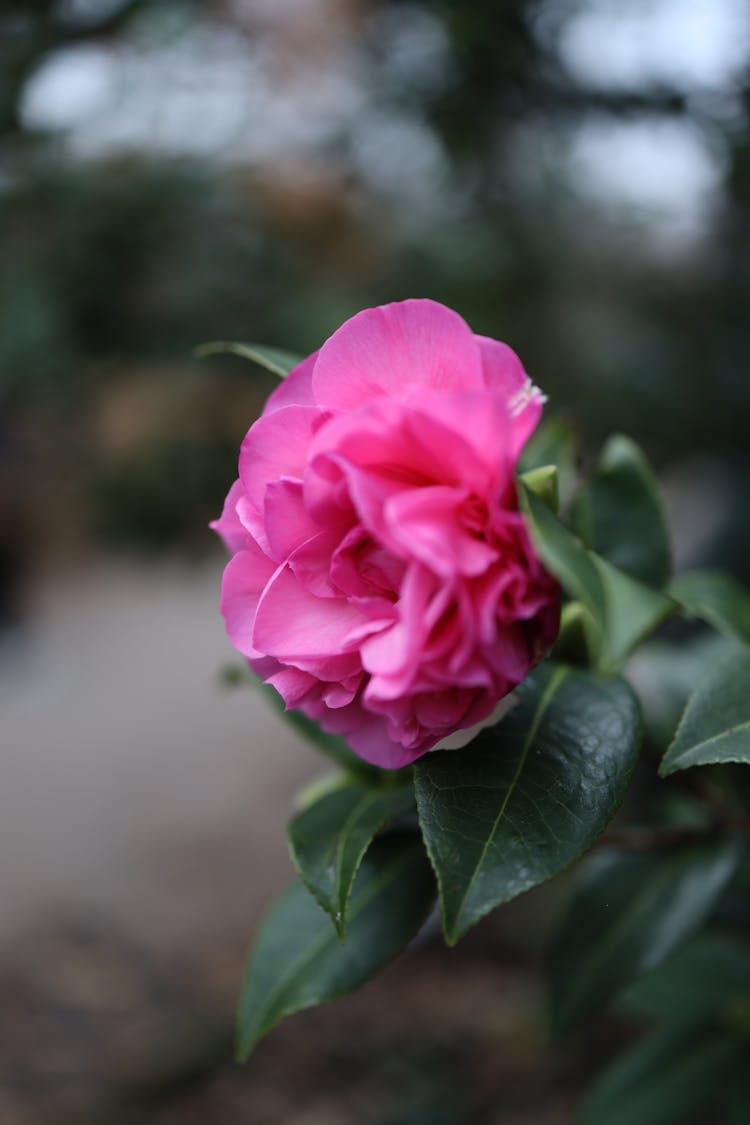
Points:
134	791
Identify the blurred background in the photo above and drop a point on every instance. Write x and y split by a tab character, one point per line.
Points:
573	176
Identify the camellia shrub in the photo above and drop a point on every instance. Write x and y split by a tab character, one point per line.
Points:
466	627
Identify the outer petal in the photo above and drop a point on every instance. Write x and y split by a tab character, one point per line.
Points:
504	371
292	623
296	389
245	578
292	685
228	526
383	351
274	447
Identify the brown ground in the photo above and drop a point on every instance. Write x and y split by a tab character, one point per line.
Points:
98	1030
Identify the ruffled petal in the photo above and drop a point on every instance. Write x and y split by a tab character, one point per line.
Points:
368	734
287	524
275	446
430	524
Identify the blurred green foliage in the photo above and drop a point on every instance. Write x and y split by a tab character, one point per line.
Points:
116	264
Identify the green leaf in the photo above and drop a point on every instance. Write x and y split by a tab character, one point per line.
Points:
275	360
668	1078
738	1098
543	482
627	914
526	797
553	443
717	599
619	514
738	1112
621	611
702	980
298	961
733	908
329	838
716	724
664	673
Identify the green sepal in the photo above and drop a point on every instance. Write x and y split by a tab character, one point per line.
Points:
543	482
553	443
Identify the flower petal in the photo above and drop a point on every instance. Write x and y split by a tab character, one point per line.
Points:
387	349
428	522
286	521
295	389
292	624
275	446
504	371
245	578
228	526
367	733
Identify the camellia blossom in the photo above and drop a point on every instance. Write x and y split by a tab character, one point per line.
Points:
382	578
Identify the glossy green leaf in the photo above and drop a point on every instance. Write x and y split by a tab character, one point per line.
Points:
528	796
667	1079
716	598
621	611
627	914
704	979
619	514
715	727
553	443
664	673
275	360
298	960
329	838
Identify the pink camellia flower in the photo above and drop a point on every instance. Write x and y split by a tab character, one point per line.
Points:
382	578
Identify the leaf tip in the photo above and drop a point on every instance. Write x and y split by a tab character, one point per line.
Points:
453	931
243	1048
